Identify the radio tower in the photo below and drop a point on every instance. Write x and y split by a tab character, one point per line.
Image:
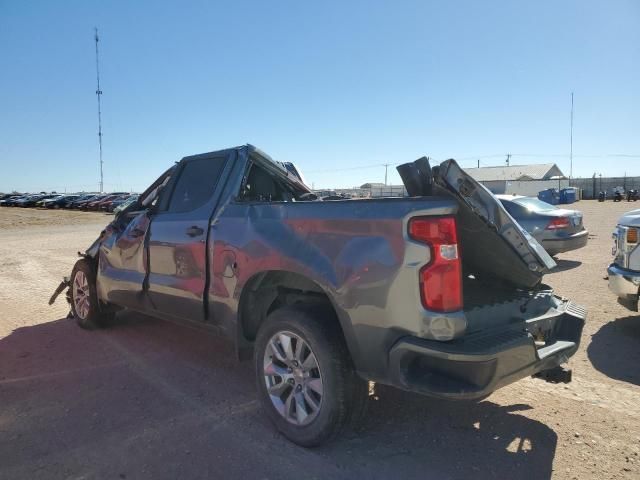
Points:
98	93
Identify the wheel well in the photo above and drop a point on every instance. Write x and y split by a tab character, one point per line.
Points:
267	291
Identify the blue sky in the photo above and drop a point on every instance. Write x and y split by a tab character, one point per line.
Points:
327	85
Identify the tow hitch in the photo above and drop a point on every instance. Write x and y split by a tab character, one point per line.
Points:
554	375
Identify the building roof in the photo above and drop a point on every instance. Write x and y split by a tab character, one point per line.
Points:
542	171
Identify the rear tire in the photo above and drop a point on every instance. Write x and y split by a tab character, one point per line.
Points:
85	306
315	390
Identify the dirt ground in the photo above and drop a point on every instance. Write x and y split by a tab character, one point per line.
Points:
149	399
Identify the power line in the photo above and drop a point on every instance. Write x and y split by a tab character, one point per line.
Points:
586	155
360	167
477	160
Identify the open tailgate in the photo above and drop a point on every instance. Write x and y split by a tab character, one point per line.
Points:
492	243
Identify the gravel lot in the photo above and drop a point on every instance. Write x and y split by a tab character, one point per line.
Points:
149	399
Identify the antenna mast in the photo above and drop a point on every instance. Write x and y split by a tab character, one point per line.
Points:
98	94
571	142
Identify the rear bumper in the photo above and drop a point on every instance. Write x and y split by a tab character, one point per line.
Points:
625	284
566	244
478	364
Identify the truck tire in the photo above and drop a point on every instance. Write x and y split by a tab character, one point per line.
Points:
305	377
84	298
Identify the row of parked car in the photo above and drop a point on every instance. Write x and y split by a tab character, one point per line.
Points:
106	202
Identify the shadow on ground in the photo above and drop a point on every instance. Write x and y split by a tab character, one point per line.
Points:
615	349
563	265
149	399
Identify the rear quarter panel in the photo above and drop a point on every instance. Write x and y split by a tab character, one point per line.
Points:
356	251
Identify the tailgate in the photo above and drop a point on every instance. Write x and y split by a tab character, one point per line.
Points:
493	244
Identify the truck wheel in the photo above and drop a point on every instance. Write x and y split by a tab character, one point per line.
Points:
84	298
305	378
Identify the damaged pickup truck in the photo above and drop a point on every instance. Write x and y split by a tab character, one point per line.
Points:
439	293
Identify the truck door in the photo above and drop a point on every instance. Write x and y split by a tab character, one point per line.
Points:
178	237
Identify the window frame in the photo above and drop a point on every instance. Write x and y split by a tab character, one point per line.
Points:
166	196
279	179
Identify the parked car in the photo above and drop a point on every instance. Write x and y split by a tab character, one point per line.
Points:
118	205
93	203
632	195
59	202
6	196
11	201
68	203
81	202
103	201
31	200
329	295
624	272
106	205
556	229
40	203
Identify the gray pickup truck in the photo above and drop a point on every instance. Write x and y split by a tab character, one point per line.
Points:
438	293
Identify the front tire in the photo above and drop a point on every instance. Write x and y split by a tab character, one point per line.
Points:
85	306
305	377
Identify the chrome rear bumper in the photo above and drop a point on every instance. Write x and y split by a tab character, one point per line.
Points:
625	284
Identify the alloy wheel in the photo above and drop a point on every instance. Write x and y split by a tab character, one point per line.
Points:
81	297
293	378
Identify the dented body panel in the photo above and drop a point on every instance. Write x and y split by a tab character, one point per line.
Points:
259	221
357	254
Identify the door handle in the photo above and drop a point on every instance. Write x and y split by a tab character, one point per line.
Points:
194	231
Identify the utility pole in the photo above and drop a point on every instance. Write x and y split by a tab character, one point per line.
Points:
98	94
600	182
571	142
386	165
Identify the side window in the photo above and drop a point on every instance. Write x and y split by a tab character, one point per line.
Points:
261	186
196	184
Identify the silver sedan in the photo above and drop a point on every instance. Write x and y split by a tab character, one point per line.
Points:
556	229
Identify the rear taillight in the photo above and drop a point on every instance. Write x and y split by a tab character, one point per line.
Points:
558	223
441	278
